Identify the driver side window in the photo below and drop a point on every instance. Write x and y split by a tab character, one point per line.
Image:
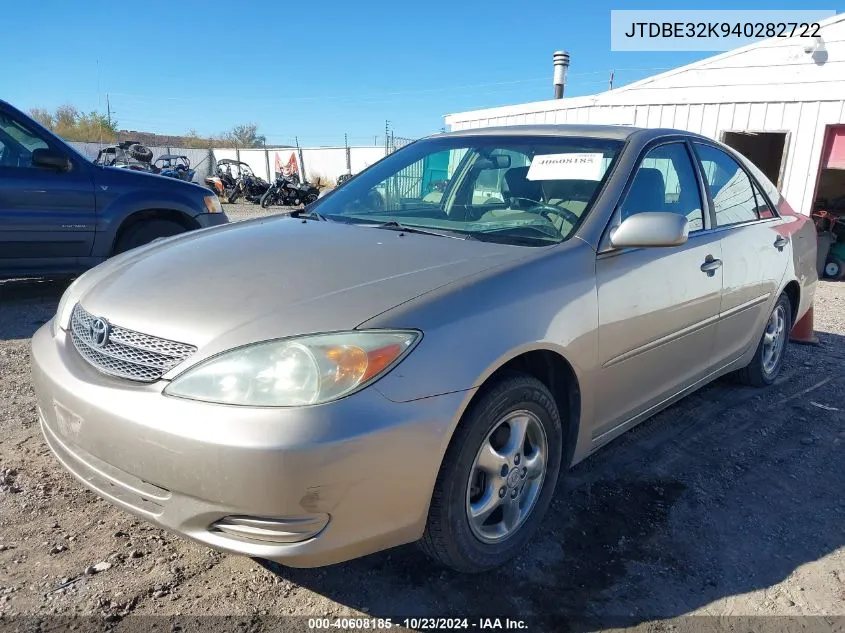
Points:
666	181
17	143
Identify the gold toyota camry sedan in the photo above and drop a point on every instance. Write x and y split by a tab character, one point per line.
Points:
416	355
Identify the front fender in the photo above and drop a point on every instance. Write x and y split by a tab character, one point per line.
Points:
472	329
116	202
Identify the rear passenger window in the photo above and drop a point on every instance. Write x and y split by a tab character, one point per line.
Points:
734	201
763	209
665	181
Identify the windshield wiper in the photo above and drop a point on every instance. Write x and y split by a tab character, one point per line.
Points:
309	215
393	225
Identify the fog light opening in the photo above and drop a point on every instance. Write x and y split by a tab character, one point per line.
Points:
272	530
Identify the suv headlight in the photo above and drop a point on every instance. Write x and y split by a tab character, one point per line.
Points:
295	372
212	204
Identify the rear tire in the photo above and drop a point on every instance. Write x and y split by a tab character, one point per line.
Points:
834	268
465	484
145	232
764	368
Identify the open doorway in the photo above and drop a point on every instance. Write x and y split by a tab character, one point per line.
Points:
829	204
767	150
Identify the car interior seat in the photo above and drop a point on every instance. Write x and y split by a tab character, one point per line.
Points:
521	190
647	193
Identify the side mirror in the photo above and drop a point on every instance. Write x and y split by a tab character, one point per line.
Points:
650	229
47	158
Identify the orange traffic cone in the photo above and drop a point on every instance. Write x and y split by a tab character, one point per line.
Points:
803	332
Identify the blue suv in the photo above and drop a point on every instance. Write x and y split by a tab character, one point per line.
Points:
61	214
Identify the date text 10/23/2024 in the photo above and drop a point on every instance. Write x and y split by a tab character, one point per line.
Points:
418	624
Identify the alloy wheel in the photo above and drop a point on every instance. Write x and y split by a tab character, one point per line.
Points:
507	476
774	339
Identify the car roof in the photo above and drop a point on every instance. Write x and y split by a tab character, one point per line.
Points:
613	132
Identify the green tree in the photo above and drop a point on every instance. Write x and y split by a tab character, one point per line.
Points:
245	135
72	125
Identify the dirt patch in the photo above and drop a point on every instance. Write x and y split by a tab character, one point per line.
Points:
728	503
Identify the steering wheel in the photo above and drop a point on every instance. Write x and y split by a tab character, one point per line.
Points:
546	209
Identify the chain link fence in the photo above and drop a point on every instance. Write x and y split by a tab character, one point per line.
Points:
324	163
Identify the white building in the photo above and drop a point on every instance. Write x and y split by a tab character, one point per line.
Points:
781	102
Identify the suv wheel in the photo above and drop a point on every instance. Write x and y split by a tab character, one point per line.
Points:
145	232
497	478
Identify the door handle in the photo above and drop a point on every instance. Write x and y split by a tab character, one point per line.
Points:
710	265
780	242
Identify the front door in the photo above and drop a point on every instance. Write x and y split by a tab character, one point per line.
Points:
47	217
658	307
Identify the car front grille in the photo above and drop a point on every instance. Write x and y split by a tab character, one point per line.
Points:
125	353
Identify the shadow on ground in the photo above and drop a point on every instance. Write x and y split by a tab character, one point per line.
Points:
26	304
727	492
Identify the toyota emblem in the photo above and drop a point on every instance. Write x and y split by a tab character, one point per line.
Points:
99	330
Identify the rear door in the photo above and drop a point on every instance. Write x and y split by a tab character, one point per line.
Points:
47	217
754	254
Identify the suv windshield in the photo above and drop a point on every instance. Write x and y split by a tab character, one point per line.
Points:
529	191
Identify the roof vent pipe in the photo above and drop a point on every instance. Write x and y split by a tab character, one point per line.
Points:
561	62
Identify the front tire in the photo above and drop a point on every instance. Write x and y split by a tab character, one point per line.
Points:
497	478
267	198
766	364
145	232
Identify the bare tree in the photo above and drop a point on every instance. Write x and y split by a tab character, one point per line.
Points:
42	116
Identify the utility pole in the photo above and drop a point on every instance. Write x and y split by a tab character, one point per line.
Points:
348	154
610	83
301	160
108	109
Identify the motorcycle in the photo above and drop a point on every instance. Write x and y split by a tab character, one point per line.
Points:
248	185
223	181
289	192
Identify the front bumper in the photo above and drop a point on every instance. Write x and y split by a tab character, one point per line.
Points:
206	220
336	481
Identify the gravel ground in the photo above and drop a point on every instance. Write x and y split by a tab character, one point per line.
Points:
247	210
727	504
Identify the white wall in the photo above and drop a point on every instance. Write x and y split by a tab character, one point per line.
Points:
772	85
329	162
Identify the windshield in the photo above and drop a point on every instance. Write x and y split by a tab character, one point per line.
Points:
528	191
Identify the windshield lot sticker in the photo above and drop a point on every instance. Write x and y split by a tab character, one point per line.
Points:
581	166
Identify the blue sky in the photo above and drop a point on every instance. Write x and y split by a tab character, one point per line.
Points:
313	70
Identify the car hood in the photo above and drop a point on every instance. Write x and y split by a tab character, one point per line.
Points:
276	277
147	180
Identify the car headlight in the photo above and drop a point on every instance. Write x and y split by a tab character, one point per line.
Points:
295	372
66	303
212	204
